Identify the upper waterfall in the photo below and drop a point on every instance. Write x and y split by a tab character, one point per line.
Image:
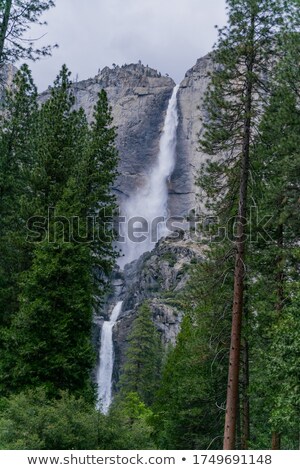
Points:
146	210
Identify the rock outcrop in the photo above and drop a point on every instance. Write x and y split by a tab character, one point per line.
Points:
183	192
139	98
7	73
157	277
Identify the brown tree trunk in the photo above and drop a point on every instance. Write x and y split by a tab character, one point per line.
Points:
3	27
245	398
235	345
276	441
238	433
239	270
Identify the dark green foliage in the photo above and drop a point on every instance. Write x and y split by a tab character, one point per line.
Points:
247	53
129	424
275	260
142	368
52	330
61	142
30	421
96	174
244	63
284	364
170	258
16	159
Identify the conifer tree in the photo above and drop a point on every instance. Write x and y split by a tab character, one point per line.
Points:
141	372
17	147
95	177
245	54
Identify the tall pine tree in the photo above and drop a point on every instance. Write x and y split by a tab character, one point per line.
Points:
245	55
17	148
142	368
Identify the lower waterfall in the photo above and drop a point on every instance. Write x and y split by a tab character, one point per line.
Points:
105	370
148	205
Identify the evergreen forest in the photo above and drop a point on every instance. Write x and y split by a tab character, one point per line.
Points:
232	380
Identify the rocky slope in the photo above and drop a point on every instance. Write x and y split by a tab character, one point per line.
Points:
156	277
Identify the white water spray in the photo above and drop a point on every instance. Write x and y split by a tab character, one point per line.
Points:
105	370
149	203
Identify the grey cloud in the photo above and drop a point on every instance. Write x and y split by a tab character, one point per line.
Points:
166	34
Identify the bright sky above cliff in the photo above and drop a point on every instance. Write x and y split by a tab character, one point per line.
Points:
168	35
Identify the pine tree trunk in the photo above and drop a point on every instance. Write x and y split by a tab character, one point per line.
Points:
245	398
239	271
3	28
276	441
238	434
236	328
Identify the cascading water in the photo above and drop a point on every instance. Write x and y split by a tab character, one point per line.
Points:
105	370
146	207
149	204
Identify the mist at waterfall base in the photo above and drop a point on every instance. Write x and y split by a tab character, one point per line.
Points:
150	203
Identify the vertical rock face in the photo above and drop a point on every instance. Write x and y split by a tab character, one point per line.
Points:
7	73
139	98
183	192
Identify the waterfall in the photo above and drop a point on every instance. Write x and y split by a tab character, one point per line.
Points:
149	204
105	370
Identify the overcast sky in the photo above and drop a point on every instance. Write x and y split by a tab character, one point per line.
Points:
168	35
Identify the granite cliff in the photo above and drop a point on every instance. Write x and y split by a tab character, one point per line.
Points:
139	98
7	73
